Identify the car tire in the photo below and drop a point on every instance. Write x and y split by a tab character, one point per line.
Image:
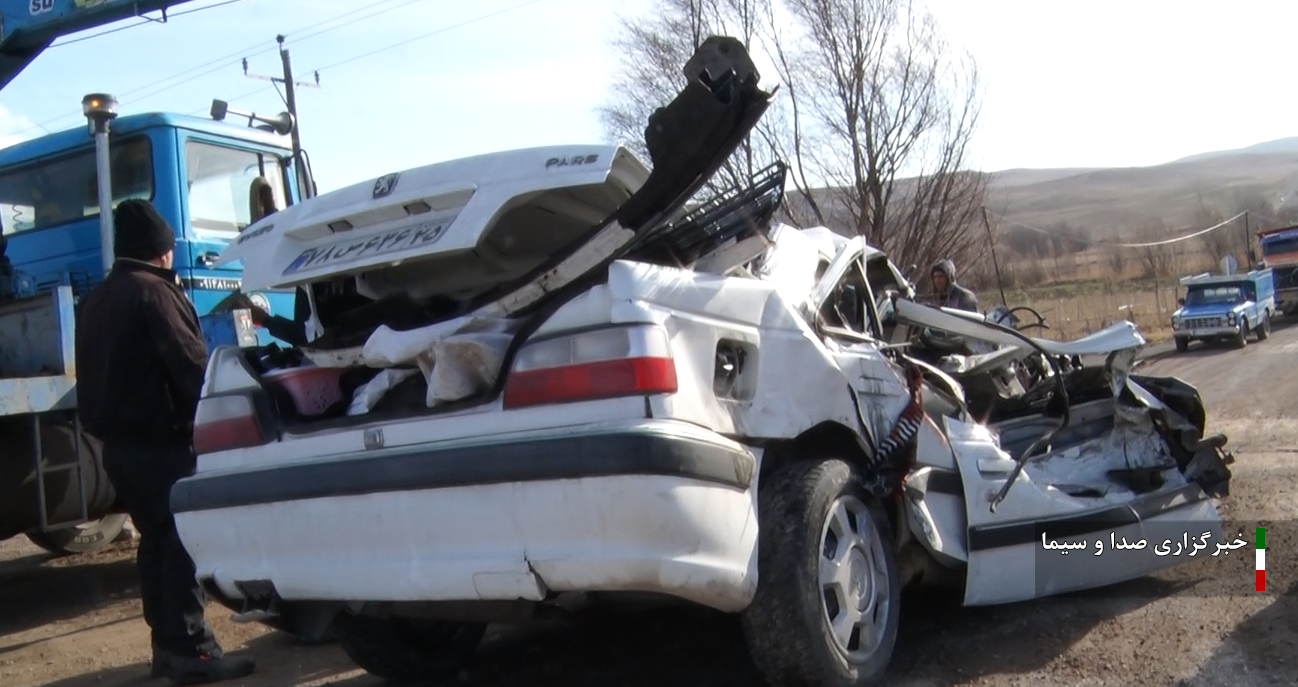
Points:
1241	337
1264	328
818	522
88	537
408	650
1182	344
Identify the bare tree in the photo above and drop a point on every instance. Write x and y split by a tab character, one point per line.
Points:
875	117
883	116
1156	260
1116	258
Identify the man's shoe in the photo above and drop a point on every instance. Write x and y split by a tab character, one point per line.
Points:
161	664
186	670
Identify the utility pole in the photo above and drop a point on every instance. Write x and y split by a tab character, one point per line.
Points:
306	185
991	240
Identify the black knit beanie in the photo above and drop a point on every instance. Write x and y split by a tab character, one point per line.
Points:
140	232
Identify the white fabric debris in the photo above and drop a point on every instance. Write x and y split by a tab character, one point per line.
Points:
463	365
368	396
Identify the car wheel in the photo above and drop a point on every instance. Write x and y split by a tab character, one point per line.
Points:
1264	328
828	591
87	537
1182	344
1241	337
407	650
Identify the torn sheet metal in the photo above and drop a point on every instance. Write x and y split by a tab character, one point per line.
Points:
1121	335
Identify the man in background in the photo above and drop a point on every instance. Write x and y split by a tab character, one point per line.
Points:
141	360
949	293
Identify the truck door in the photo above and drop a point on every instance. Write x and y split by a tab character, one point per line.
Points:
218	182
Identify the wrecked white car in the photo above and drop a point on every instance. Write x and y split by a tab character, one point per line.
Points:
532	375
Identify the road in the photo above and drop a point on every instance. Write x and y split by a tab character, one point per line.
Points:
75	622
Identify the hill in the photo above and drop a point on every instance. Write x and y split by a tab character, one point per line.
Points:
1122	200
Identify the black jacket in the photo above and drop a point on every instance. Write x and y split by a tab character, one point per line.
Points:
141	358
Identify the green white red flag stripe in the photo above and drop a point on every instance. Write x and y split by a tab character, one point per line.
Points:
1261	559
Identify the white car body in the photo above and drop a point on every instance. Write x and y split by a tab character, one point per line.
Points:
460	498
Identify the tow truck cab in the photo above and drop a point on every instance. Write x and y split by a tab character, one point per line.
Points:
199	173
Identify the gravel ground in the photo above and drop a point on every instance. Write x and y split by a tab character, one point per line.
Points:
75	622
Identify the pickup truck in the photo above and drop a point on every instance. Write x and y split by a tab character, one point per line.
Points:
537	375
1225	307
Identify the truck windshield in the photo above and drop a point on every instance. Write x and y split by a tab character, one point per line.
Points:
1215	294
1280	244
65	188
220	182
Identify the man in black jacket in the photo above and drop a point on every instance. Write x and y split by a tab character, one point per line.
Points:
141	359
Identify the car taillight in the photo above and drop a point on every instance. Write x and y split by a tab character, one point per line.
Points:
594	364
225	422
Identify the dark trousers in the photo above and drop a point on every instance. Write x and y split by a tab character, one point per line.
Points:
173	601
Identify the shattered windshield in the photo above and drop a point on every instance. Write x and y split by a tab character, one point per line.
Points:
1232	293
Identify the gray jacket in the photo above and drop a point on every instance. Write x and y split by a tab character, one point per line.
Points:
956	296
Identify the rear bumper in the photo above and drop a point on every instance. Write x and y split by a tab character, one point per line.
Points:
650	506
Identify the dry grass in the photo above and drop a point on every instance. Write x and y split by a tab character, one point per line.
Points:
1076	309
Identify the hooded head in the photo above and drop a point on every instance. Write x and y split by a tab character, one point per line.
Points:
943	274
140	233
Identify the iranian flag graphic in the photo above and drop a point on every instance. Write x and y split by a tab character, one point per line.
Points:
1261	559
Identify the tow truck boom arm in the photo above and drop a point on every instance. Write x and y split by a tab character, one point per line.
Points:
28	27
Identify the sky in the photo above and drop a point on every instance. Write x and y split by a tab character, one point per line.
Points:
1096	84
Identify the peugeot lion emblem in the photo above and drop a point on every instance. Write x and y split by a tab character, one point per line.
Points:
385	184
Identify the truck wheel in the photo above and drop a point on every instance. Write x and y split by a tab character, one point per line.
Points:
1182	344
407	650
828	593
1241	337
87	537
1264	328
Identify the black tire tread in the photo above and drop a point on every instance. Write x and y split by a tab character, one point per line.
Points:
779	622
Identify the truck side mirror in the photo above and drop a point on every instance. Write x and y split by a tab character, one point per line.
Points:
1180	301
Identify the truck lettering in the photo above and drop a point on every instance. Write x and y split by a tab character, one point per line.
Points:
406	238
40	6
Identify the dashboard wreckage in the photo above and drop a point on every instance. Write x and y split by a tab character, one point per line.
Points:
537	373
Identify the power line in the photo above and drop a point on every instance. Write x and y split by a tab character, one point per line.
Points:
1147	244
374	52
429	34
224	61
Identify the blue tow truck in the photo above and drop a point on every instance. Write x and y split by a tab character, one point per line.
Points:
56	198
1225	307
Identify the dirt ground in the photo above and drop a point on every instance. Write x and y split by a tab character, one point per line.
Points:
75	622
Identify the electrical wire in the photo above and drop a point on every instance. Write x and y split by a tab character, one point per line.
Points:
1146	244
374	52
429	34
224	61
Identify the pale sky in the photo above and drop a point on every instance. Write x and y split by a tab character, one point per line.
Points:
1101	83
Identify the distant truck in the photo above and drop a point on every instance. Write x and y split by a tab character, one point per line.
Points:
1280	254
1225	307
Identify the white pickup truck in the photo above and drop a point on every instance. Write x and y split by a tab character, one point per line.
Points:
532	374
